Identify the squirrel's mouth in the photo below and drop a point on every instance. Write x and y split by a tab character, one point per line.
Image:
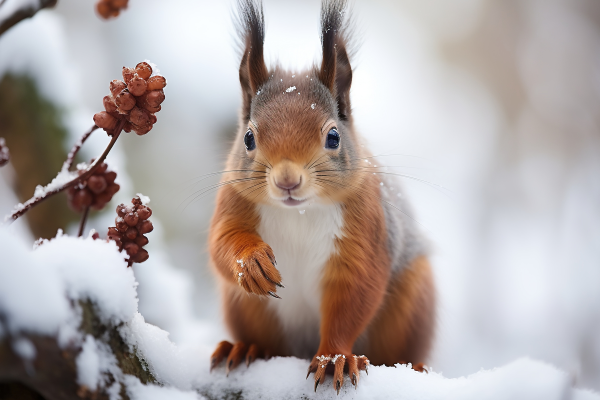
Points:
290	201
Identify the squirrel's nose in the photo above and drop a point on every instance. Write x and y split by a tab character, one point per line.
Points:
289	183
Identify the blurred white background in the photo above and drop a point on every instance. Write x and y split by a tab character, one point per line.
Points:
497	101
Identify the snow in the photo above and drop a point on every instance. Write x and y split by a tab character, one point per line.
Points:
24	348
33	285
61	179
290	89
88	364
155	70
138	391
34	305
96	271
145	199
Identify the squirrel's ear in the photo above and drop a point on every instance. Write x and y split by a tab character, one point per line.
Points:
253	71
336	72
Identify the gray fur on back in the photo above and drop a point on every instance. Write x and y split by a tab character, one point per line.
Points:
405	241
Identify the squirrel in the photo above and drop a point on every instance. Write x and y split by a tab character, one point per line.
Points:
300	204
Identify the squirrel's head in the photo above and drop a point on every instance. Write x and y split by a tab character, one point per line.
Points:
296	142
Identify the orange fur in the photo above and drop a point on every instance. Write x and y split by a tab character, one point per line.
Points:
404	325
355	279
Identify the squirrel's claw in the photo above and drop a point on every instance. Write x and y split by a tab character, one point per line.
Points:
235	357
355	364
234	354
223	349
255	272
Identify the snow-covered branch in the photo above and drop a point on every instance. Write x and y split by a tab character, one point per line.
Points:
14	11
64	180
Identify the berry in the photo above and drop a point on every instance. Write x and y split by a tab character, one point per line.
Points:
110	8
135	100
95	192
131	225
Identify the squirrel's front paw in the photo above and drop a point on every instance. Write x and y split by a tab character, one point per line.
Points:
255	270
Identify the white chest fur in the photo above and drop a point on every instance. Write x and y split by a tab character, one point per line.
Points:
302	244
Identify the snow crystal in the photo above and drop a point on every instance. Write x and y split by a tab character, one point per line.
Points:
302	211
313	105
290	89
24	348
145	199
257	92
241	262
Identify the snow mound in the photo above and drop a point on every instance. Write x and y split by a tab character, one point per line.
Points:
37	288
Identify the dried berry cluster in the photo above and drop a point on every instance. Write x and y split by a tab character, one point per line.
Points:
4	154
95	192
110	8
136	99
131	225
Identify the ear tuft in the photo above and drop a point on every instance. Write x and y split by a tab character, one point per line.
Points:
251	31
336	71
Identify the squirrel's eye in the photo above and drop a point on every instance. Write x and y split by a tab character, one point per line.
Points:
333	139
249	140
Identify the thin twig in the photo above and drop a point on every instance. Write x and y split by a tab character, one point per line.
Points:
88	172
73	153
22	13
86	211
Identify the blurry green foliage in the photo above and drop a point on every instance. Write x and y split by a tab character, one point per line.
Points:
34	133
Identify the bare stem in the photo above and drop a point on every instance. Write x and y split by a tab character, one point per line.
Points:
25	12
86	211
73	153
34	201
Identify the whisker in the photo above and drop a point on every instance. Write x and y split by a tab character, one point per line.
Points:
311	158
242	191
312	165
205	190
361	190
388	155
435	186
205	176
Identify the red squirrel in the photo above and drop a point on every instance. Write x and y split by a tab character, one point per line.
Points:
300	205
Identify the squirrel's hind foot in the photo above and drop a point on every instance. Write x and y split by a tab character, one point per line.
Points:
338	364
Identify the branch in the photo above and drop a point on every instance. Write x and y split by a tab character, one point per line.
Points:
73	153
19	14
86	211
34	201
